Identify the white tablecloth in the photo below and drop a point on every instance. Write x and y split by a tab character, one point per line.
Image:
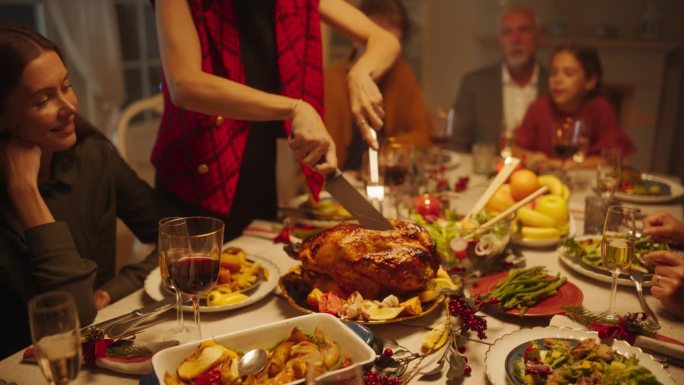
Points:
408	334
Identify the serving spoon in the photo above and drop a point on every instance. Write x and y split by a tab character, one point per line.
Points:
252	362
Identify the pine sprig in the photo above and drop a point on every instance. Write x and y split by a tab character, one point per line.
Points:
127	349
635	323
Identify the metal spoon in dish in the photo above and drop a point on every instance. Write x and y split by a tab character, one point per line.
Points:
252	362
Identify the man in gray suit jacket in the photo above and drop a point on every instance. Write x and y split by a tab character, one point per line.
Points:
495	98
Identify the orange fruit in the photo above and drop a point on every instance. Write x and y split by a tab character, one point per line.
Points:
523	183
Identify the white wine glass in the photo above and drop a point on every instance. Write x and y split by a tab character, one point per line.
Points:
55	331
193	259
617	246
173	230
609	171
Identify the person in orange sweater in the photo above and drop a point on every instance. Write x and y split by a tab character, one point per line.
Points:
407	118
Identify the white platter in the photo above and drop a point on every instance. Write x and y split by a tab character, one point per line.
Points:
267	336
297	201
581	268
676	191
499	350
541	243
153	288
451	159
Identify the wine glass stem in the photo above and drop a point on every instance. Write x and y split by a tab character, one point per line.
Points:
179	309
196	311
613	293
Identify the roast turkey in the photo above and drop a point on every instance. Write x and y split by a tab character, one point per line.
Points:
349	257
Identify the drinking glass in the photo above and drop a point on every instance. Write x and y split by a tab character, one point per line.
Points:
395	160
172	227
484	158
609	171
192	258
443	126
617	246
566	137
56	336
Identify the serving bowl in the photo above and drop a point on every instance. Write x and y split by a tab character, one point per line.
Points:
269	335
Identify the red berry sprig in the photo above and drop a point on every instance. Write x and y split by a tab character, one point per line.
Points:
374	378
465	310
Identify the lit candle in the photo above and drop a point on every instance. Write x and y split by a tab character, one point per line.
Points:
428	205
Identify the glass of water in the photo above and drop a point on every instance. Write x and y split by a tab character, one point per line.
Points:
55	331
609	171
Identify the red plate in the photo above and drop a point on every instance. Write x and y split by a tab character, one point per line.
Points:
568	294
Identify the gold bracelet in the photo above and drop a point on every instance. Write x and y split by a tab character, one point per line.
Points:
293	108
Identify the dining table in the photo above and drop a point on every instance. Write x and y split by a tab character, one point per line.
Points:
410	333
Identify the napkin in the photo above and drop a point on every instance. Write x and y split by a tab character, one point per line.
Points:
136	365
661	345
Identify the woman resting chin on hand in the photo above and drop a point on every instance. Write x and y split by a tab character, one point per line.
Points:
668	280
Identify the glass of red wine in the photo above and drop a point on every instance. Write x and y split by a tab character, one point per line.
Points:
395	160
567	136
192	256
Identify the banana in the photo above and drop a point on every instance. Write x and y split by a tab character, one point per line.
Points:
552	182
540	233
534	218
566	192
436	338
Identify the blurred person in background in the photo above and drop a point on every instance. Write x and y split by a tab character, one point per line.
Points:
407	118
668	280
574	95
239	74
63	186
493	100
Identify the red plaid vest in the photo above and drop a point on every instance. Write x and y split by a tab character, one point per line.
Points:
197	156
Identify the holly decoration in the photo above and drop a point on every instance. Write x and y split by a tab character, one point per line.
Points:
625	328
392	366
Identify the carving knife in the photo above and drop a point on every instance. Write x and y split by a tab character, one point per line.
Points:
353	201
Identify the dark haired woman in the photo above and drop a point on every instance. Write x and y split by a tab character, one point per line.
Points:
63	186
574	93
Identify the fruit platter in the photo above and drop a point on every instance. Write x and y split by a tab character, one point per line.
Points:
544	221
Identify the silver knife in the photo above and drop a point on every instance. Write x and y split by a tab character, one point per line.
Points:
153	308
351	199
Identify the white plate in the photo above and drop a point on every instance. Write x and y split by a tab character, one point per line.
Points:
676	191
581	268
267	336
297	201
498	351
451	159
572	230
153	288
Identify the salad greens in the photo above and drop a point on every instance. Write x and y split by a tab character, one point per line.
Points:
443	230
559	361
589	251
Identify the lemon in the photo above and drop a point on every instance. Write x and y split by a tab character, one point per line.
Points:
436	338
222	299
442	283
385	313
